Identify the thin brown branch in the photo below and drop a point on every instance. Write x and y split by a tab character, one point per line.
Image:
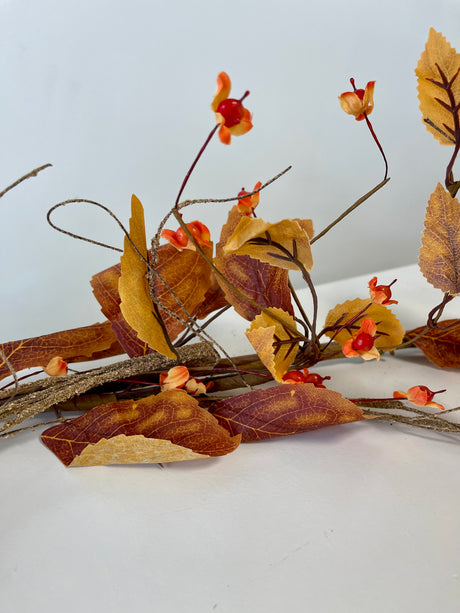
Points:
350	209
29	175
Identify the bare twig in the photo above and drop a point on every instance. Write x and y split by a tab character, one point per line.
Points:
29	175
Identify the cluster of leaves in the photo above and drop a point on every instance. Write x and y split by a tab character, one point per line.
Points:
157	300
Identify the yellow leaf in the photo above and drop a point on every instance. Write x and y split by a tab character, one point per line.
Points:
439	87
265	334
389	329
439	258
136	449
136	304
272	243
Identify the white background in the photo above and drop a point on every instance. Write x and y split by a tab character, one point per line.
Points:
358	518
116	95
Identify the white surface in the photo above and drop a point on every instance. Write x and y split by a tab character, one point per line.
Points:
359	518
116	96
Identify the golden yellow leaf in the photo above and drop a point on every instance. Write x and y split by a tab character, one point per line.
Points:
439	87
136	304
272	243
439	258
136	449
266	335
389	329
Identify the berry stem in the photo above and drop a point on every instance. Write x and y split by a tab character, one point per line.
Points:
195	161
200	153
374	135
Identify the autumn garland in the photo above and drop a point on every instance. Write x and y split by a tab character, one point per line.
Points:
161	405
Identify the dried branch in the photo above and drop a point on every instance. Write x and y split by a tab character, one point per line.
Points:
29	175
62	389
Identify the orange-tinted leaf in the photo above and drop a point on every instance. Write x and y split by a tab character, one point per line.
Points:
442	347
439	258
189	276
388	327
164	428
265	332
214	300
77	345
440	63
284	410
247	235
105	289
265	284
136	304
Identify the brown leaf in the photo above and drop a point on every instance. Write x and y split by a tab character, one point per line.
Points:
247	235
442	347
105	289
265	284
283	410
388	325
189	276
164	428
214	300
439	258
136	304
186	273
439	87
76	345
265	332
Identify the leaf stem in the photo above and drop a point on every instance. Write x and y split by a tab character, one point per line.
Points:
300	306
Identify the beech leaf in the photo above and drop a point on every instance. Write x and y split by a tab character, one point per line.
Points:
214	299
168	427
136	304
105	290
388	327
267	285
442	347
187	274
248	234
189	277
264	335
439	258
439	87
283	410
76	345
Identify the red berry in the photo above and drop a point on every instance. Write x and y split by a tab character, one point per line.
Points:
232	111
314	378
363	342
428	392
385	289
181	237
294	376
